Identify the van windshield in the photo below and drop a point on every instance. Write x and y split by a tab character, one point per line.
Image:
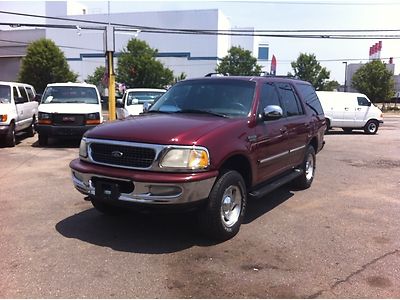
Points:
5	94
70	94
142	97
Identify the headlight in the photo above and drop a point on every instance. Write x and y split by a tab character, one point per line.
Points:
93	119
44	118
186	158
83	148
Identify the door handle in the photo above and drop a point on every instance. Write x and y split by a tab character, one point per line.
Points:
359	108
283	130
346	108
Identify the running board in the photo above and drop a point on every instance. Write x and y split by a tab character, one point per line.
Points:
265	189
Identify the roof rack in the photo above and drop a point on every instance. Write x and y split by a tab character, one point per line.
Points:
216	74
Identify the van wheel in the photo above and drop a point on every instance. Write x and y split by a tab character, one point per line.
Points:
10	138
347	130
105	208
223	214
308	167
328	125
43	140
31	129
371	127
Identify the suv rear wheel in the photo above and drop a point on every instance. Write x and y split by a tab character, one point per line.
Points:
224	212
308	167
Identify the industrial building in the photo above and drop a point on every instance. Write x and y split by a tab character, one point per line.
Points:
192	54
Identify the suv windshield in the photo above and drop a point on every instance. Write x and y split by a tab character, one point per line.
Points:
70	94
224	97
142	97
5	94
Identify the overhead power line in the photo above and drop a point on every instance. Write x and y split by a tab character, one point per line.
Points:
317	33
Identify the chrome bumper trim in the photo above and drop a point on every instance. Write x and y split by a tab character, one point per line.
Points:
188	191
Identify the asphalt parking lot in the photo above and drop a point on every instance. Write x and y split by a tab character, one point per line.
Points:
338	239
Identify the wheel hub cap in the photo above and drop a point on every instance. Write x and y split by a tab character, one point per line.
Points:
231	206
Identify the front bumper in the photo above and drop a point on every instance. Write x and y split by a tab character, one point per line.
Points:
51	130
4	129
176	189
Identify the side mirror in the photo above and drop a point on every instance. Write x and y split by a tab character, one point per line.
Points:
272	112
369	103
19	100
119	103
37	97
146	106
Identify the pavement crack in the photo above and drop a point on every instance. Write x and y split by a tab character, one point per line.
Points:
360	270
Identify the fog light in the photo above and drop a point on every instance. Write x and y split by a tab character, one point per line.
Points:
162	190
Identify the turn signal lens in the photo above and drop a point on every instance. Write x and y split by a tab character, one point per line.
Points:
3	118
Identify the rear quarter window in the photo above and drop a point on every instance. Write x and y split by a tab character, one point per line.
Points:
308	94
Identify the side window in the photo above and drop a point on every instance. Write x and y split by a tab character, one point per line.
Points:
268	96
31	95
15	93
23	93
362	101
291	103
310	97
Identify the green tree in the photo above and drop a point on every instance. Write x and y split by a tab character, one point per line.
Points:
44	63
375	81
97	78
330	85
307	68
181	76
138	67
239	62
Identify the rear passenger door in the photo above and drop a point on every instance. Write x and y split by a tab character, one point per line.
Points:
271	147
297	123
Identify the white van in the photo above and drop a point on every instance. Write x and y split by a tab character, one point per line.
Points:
350	111
18	110
132	101
68	110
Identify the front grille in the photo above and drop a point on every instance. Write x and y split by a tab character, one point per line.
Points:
120	155
68	120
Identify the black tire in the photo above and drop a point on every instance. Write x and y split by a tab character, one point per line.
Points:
10	137
305	180
371	127
31	129
223	214
43	140
106	208
328	125
347	130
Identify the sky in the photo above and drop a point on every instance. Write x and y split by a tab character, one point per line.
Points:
293	15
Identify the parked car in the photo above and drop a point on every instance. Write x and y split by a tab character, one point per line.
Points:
18	110
132	101
350	111
207	143
68	110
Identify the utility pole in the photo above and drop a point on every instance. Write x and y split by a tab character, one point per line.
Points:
110	48
345	76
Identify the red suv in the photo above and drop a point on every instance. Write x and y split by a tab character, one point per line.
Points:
207	143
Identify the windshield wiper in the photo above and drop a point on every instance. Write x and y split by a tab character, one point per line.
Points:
198	111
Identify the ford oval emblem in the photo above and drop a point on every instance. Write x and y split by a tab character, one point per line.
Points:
117	154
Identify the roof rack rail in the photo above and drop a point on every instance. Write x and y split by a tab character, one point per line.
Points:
216	74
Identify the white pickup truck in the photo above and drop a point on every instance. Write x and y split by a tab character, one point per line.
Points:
18	110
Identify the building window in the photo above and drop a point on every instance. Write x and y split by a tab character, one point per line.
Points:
263	51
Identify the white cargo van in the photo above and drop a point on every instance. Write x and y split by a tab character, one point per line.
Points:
68	110
132	101
18	110
350	111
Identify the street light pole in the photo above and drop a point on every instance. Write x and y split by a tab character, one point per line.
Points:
345	76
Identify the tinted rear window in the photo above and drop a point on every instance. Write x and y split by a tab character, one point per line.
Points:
307	92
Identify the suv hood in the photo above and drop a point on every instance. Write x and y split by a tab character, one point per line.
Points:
69	108
176	129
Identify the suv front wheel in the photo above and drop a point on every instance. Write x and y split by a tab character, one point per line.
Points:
224	212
